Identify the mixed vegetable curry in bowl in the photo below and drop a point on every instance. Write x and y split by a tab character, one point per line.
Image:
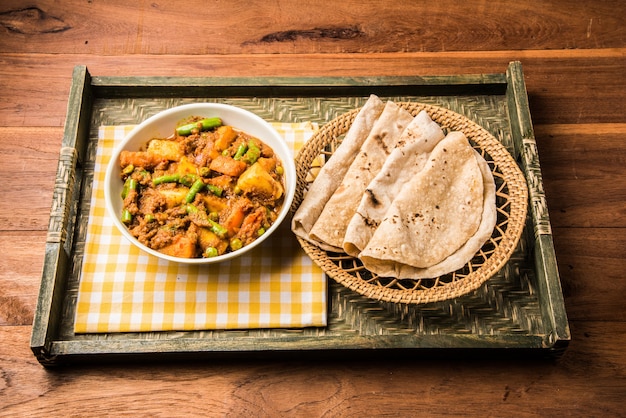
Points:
207	190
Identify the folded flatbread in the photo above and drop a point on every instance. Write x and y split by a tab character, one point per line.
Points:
333	171
330	227
440	218
409	158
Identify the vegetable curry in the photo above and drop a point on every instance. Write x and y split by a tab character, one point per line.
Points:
207	190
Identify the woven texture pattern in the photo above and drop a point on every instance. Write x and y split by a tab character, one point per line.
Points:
511	200
125	290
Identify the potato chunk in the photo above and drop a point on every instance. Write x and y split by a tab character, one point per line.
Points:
168	150
225	136
186	167
214	203
256	181
182	246
206	239
174	197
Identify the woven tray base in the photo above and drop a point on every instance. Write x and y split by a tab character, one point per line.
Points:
511	201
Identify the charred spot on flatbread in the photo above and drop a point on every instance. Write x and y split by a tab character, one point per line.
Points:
372	197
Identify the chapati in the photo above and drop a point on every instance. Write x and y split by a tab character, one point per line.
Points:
330	227
332	172
409	158
434	215
464	254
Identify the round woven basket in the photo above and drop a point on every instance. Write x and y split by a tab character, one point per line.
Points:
511	201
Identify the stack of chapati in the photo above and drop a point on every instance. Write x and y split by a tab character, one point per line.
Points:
407	200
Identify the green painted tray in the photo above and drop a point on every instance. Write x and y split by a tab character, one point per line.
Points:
520	309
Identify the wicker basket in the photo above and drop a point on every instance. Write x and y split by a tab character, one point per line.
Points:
511	200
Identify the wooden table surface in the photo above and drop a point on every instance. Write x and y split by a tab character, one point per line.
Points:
573	55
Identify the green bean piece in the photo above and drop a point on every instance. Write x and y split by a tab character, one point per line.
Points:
189	208
225	153
129	184
186	130
253	153
193	190
205	171
126	216
261	231
241	150
215	227
211	252
210	123
235	244
125	188
149	218
167	178
188	180
201	125
217	191
218	229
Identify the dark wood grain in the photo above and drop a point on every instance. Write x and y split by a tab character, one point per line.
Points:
21	266
29	158
584	169
590	261
574	58
117	27
375	387
556	81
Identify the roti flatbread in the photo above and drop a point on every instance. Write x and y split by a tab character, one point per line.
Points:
438	213
409	158
330	227
332	173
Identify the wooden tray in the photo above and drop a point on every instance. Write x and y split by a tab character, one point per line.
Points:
519	309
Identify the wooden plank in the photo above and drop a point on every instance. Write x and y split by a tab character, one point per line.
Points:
60	237
584	174
20	279
119	28
209	87
29	161
590	263
34	91
588	379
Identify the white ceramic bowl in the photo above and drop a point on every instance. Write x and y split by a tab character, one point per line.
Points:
162	125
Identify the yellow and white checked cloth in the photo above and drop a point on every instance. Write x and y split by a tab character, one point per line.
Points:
123	289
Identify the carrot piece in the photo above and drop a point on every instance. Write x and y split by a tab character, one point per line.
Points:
228	166
235	219
251	224
223	182
140	159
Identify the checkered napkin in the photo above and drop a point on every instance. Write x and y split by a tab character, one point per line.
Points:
123	289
